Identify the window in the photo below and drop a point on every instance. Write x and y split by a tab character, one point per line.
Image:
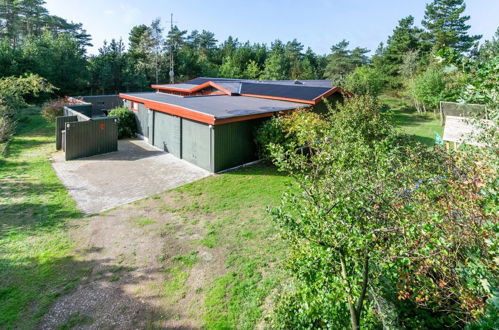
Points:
134	106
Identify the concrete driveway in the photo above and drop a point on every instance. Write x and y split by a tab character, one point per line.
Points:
135	171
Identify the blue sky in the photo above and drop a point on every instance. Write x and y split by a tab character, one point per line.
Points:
316	23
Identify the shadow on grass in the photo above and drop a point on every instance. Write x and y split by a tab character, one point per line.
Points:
6	165
20	188
22	144
60	293
408	117
25	217
424	140
264	168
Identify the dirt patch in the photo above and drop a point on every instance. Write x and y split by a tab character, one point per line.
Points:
148	269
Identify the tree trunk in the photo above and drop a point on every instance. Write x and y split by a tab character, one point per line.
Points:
354	320
356	308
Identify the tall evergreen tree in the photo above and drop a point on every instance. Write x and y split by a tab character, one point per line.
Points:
252	70
447	26
342	61
405	38
229	69
275	67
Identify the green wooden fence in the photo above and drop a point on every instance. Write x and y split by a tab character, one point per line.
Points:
91	137
81	136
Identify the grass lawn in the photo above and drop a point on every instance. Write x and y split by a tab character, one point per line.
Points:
34	209
232	209
422	127
239	199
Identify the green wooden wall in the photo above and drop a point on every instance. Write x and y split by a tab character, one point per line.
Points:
196	143
91	137
167	133
60	125
234	144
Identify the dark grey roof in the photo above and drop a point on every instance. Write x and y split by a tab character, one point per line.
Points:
304	83
233	87
288	91
221	106
294	89
179	86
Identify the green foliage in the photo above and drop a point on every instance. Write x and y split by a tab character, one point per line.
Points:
289	131
436	84
406	39
364	80
377	225
342	61
427	89
252	70
23	18
112	70
127	124
59	59
228	69
490	48
447	27
275	68
55	108
484	87
14	92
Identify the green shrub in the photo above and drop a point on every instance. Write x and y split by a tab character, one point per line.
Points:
364	81
55	108
383	229
289	131
127	124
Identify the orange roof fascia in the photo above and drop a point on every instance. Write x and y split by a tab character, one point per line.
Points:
255	116
332	91
194	89
279	98
172	109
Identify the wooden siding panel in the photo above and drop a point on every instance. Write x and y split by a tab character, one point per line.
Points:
196	143
234	144
91	137
143	120
167	133
60	123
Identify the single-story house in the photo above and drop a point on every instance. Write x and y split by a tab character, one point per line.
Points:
210	122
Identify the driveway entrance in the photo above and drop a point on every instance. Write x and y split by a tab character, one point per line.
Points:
135	171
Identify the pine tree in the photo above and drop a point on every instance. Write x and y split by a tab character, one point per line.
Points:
275	68
229	69
406	38
342	61
252	70
447	26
